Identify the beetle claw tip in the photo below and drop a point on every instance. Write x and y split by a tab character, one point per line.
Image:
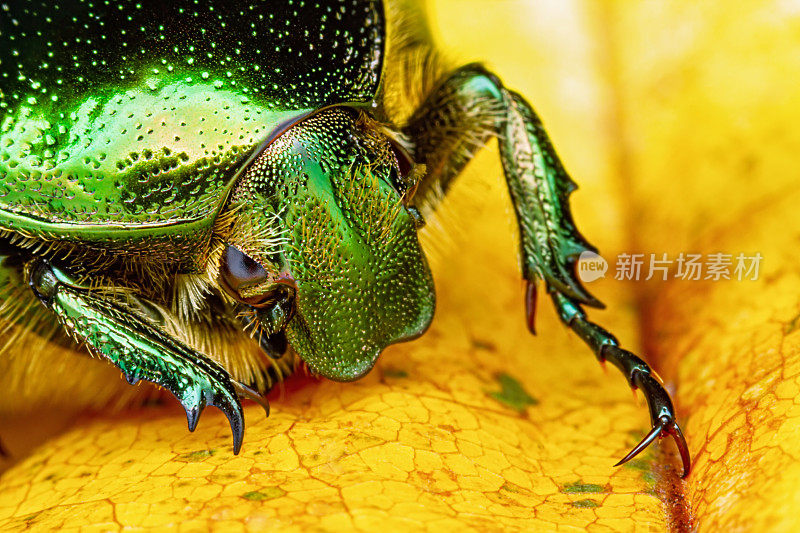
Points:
672	429
251	394
530	306
654	432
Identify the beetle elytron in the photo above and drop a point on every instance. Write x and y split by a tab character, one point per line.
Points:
179	178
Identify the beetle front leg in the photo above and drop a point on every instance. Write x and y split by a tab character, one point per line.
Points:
457	119
124	336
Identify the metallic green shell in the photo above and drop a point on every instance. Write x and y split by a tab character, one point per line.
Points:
125	124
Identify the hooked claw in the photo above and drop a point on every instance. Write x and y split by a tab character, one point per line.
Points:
530	306
231	409
250	394
639	375
672	428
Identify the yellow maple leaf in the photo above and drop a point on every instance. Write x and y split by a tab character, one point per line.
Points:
677	120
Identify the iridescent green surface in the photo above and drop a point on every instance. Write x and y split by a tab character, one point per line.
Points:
348	242
141	142
123	124
124	127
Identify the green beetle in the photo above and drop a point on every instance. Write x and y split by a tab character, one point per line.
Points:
179	178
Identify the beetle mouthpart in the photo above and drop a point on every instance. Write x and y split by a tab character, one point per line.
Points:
274	345
268	327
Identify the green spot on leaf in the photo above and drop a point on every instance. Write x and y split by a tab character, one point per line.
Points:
394	373
481	344
645	467
637	434
638	464
199	455
267	493
792	325
580	488
512	394
585	504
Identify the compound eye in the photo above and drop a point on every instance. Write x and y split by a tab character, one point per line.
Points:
239	271
244	279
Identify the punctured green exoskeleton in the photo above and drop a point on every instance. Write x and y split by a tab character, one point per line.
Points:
204	193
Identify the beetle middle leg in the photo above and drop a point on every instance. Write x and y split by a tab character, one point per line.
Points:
469	107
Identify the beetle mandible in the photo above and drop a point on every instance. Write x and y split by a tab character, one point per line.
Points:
181	179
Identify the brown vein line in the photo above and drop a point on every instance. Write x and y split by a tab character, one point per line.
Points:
669	487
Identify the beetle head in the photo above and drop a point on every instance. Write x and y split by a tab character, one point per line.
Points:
324	247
